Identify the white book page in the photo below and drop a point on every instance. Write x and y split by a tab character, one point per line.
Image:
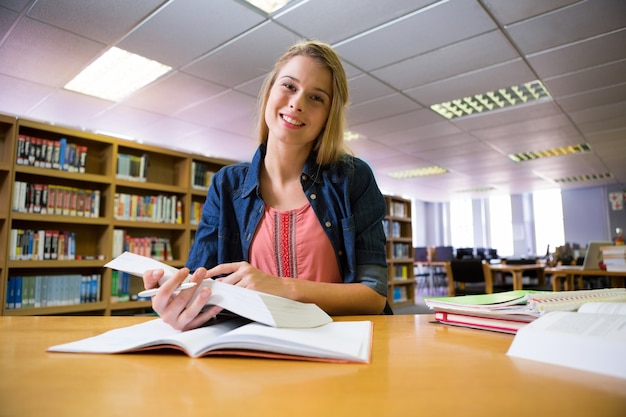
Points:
335	340
261	307
591	342
604	308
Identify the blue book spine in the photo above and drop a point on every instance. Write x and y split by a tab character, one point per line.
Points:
62	152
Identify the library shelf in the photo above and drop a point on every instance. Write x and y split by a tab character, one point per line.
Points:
398	229
61	216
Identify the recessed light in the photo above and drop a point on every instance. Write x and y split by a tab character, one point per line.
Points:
268	6
492	100
418	172
584	178
546	153
116	74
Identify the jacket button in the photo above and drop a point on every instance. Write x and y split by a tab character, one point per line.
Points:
313	196
304	177
328	224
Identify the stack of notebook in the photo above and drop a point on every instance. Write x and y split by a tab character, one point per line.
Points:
510	311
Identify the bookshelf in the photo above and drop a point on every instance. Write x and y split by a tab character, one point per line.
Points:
61	222
397	224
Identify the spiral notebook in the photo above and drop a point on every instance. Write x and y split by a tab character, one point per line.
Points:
543	302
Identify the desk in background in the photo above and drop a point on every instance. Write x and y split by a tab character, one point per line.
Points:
565	276
416	367
517	271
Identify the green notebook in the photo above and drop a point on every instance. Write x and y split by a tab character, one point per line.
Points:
499	299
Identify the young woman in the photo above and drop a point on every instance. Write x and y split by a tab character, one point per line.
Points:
303	219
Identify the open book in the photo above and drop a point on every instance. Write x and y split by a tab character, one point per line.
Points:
254	305
592	339
341	341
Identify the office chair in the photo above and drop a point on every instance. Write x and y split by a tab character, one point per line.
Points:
467	271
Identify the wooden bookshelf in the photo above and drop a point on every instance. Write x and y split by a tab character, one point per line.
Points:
397	224
166	177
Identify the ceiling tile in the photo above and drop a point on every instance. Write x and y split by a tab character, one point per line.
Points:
242	59
343	19
416	33
103	21
182	90
32	43
507	11
185	30
581	20
465	56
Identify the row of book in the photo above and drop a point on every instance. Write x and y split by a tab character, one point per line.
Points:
149	208
196	212
39	245
401	250
403	271
52	290
55	199
614	258
51	154
201	175
151	246
132	167
120	287
398	209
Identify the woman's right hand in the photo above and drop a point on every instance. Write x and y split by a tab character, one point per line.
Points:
180	310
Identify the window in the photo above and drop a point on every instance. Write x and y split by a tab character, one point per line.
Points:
461	223
501	224
548	213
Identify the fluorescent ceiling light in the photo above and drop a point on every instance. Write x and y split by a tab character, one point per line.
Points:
418	172
546	153
584	178
116	74
492	100
268	6
477	189
349	136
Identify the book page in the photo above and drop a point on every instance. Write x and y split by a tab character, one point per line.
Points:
590	342
143	335
257	306
338	341
604	308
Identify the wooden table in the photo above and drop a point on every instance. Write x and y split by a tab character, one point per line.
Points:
517	271
566	276
417	367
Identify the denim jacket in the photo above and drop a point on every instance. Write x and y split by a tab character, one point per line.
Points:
344	196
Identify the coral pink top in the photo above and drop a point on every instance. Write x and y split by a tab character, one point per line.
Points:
292	243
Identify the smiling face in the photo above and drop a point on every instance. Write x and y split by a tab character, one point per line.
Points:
299	102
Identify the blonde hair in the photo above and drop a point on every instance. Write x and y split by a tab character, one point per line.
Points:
329	145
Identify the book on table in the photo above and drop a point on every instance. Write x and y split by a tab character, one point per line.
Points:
591	339
510	311
253	324
337	341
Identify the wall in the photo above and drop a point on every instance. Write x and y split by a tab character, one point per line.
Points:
585	215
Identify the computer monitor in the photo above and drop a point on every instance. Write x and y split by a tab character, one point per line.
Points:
593	256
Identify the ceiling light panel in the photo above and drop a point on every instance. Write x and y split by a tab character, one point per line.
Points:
492	100
117	74
584	178
268	6
418	172
546	153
